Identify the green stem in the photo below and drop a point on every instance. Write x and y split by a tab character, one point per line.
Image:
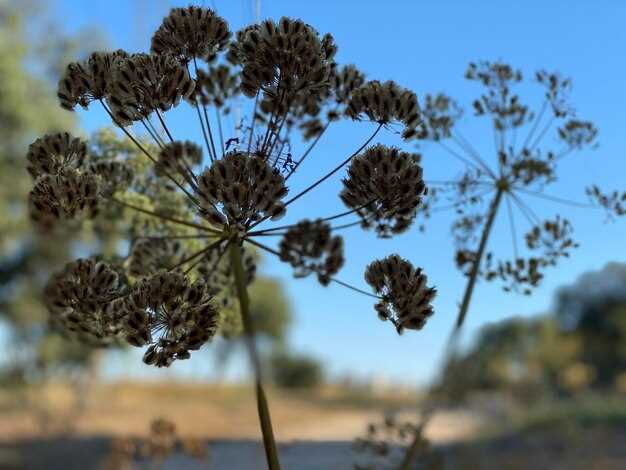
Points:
413	449
269	443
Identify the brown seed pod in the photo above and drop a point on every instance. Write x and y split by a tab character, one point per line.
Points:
406	300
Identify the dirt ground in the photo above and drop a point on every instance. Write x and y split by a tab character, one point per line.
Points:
315	429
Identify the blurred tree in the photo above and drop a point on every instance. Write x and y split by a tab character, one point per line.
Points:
595	308
519	355
582	345
27	108
290	370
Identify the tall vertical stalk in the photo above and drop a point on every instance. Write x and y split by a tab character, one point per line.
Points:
269	443
469	289
412	451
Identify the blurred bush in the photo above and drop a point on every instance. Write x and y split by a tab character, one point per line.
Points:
293	371
581	346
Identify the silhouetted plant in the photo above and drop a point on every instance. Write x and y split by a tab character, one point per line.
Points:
155	449
517	170
383	444
166	295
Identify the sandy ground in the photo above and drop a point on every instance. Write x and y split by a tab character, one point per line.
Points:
315	431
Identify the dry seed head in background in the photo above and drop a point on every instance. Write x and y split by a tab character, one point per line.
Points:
522	168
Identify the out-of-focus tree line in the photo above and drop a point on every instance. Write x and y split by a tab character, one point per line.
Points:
32	55
580	346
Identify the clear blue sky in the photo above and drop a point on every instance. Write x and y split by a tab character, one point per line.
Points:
425	46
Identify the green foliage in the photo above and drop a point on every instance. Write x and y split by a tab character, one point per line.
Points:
27	108
581	346
291	370
269	308
595	308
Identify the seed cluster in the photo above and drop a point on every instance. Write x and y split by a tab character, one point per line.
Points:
87	81
440	113
284	60
150	255
82	299
406	300
69	183
216	86
179	157
68	195
310	248
576	133
170	315
191	32
385	186
246	188
218	276
112	176
385	103
289	70
144	83
50	154
345	81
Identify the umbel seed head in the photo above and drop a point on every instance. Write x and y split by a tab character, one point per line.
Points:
87	81
385	103
239	189
286	60
385	185
310	248
50	154
144	83
83	300
406	300
189	33
170	315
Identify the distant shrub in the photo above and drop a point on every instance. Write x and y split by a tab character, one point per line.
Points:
296	370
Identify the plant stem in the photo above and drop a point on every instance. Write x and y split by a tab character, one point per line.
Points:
413	449
269	443
469	289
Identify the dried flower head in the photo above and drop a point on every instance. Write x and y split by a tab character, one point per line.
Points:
216	86
239	190
440	113
345	82
179	157
576	133
405	298
144	83
521	168
112	176
218	276
69	195
386	103
189	33
150	255
87	81
614	202
384	186
310	248
284	60
50	154
171	315
83	298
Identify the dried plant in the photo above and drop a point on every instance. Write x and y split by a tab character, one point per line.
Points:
162	442
166	295
384	444
517	174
